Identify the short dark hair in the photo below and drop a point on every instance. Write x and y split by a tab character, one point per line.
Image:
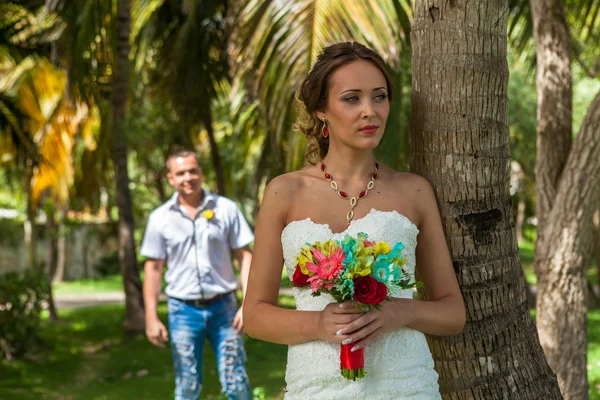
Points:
181	153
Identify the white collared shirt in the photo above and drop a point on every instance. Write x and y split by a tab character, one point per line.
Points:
198	252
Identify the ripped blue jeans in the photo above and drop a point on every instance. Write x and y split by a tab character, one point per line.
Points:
189	326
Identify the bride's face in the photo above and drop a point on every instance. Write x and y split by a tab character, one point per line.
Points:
357	106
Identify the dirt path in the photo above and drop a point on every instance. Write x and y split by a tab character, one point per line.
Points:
66	301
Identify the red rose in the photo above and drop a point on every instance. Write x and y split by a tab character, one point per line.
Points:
369	291
299	278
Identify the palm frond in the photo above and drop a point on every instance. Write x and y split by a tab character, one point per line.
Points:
583	19
24	33
279	41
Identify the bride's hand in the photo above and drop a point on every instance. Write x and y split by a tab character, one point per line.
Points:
334	318
374	323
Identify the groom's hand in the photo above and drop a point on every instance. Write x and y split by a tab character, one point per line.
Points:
334	319
238	321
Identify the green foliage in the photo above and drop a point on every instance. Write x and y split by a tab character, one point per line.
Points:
21	298
11	232
109	264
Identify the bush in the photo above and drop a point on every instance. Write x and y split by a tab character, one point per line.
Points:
21	298
109	264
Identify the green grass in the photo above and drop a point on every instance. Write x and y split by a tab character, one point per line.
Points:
88	358
594	354
112	283
527	251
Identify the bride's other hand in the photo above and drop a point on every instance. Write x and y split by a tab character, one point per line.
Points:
374	323
334	320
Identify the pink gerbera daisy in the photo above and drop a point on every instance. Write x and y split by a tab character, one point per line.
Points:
326	269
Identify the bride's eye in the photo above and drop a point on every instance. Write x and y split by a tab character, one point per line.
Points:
351	99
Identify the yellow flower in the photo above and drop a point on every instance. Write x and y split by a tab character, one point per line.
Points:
208	214
304	257
361	268
381	248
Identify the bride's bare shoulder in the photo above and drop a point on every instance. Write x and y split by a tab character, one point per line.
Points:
282	190
289	184
409	183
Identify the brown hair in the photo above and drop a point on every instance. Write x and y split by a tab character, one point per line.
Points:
181	153
315	89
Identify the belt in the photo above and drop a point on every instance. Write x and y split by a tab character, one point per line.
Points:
204	302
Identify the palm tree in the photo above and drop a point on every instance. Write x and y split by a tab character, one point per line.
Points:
134	320
567	194
44	132
188	43
278	42
459	141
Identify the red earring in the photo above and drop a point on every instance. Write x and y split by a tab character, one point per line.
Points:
324	129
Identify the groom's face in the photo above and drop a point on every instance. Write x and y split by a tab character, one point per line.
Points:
185	175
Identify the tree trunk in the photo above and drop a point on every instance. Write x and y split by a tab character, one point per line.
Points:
52	237
459	140
214	152
563	257
134	304
61	259
565	203
30	228
518	179
554	106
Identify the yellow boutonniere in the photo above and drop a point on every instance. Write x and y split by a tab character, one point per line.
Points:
208	214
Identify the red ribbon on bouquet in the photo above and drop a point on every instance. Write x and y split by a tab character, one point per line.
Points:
352	363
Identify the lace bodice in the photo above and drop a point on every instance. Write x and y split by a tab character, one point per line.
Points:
398	364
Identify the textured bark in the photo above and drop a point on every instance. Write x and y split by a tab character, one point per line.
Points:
459	141
554	107
566	200
562	258
134	304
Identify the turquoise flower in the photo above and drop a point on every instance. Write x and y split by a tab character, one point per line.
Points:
348	288
381	271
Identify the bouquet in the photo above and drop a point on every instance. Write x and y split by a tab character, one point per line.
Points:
353	269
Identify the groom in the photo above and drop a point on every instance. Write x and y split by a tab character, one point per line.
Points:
195	232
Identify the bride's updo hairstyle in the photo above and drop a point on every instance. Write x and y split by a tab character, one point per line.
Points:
315	89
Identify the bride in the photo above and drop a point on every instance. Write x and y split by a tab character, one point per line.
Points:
346	97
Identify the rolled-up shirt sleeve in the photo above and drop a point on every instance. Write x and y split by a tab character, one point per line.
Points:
240	234
153	245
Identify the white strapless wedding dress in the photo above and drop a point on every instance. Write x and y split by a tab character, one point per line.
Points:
398	364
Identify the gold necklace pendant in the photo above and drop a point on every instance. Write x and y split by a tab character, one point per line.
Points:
344	195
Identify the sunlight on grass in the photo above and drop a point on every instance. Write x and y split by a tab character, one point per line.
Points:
88	357
527	251
113	283
594	354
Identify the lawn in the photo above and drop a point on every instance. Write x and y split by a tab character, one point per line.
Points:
527	251
88	358
112	283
